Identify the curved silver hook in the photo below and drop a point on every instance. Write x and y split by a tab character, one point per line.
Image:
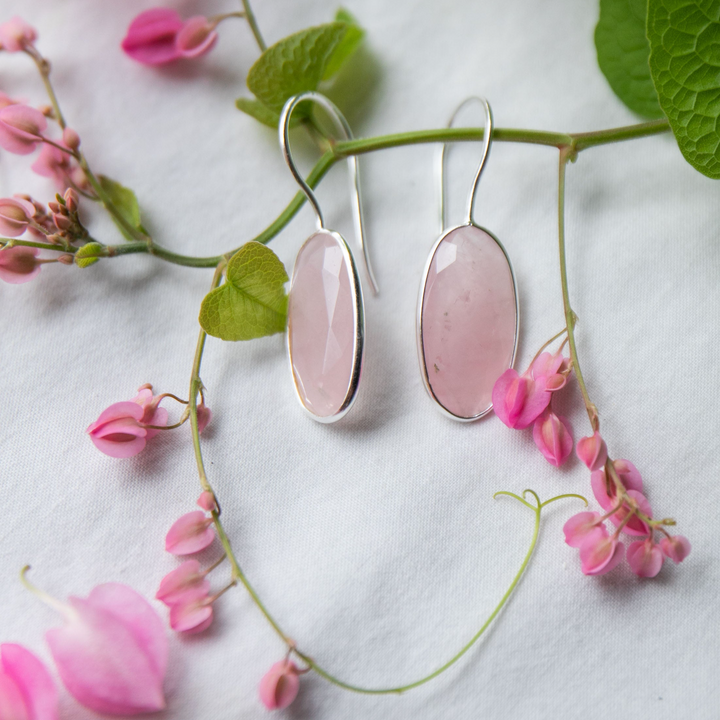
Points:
341	125
487	142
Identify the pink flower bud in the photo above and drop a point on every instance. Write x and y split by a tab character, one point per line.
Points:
18	264
207	501
179	581
26	689
112	651
71	200
192	612
62	222
553	437
518	399
71	139
151	37
280	685
579	526
190	533
16	35
592	451
204	415
15	214
599	553
20	128
677	548
645	558
196	37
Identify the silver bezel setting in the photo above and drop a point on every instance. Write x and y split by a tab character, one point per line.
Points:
419	321
358	341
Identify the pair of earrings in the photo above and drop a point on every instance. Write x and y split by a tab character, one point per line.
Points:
467	317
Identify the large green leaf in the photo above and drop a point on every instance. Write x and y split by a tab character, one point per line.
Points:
622	52
252	302
684	38
125	203
346	47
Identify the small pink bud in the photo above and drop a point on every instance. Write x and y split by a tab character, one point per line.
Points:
196	37
18	264
190	533
71	139
599	553
27	691
204	415
579	526
179	581
66	259
280	685
192	612
16	35
553	437
518	399
592	451
645	558
207	501
62	222
20	128
54	207
150	39
677	547
15	214
71	200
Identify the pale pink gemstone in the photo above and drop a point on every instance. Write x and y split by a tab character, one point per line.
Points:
322	326
469	320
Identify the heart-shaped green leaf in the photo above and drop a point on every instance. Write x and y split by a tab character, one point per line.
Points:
347	45
622	52
252	302
684	38
125	203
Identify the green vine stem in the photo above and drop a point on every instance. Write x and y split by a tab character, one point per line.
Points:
250	17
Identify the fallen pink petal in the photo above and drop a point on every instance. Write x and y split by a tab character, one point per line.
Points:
20	128
190	533
151	37
16	35
553	437
27	691
18	264
280	685
196	37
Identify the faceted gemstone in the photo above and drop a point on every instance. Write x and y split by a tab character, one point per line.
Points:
322	325
468	320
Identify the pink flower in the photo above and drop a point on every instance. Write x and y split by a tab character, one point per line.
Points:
27	691
190	533
630	475
553	437
592	451
55	164
579	526
600	553
645	558
184	578
677	547
207	501
18	264
554	369
112	651
518	399
192	612
16	34
20	128
151	37
122	430
71	139
280	685
196	37
15	214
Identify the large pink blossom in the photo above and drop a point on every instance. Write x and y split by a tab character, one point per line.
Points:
18	264
27	691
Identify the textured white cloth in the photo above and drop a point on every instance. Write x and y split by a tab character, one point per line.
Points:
375	542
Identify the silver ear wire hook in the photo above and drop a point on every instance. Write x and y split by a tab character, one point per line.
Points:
487	142
342	126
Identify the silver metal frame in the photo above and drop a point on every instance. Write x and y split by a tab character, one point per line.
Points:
487	143
358	342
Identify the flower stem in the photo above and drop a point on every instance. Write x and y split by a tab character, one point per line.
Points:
250	16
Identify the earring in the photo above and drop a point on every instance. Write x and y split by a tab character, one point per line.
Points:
326	321
467	317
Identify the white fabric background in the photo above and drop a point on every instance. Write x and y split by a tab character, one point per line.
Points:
375	542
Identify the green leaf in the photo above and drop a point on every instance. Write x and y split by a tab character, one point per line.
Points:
89	254
347	46
252	302
125	203
296	64
684	38
622	52
268	117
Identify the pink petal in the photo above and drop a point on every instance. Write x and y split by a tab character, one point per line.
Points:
32	680
553	437
18	264
190	533
125	409
280	685
103	663
546	364
16	34
204	415
677	548
121	438
20	128
193	613
12	703
178	581
15	213
645	558
628	474
159	417
207	501
54	164
592	451
600	553
634	526
579	526
151	37
196	37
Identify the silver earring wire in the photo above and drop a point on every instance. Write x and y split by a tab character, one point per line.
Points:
487	142
341	125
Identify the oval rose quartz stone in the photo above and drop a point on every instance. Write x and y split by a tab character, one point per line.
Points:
322	326
468	321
